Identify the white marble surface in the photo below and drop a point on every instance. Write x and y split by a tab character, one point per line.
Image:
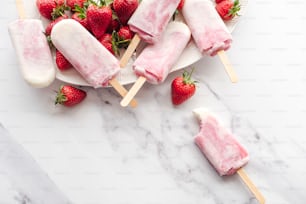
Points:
99	152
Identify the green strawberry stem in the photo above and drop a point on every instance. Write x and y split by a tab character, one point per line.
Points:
81	11
187	77
115	39
234	10
59	11
60	97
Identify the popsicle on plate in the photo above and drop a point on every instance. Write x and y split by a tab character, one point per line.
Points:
149	22
208	30
222	149
92	60
156	60
33	52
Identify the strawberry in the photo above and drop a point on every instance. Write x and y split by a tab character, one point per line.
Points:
52	23
50	9
181	4
125	33
72	3
79	17
218	1
107	41
69	95
228	9
98	19
182	88
61	62
124	9
114	25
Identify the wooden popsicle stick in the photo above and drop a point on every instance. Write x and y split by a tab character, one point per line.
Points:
133	91
122	91
20	9
129	51
228	67
251	186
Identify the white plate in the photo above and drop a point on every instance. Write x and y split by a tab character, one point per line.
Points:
190	55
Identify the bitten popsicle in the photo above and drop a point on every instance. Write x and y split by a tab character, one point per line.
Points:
222	149
92	60
156	61
149	22
209	31
32	50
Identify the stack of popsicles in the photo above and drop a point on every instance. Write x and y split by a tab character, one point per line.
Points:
222	149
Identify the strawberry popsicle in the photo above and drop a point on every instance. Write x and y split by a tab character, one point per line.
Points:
208	30
32	51
149	22
88	56
156	60
92	60
151	18
222	149
219	146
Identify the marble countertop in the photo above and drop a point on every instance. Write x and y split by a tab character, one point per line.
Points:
99	152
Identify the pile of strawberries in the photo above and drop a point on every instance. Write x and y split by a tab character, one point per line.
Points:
105	19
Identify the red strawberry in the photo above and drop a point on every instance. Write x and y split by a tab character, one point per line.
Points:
107	41
228	9
99	19
69	96
52	23
182	88
181	4
124	9
81	18
218	1
47	7
61	62
125	33
113	26
72	3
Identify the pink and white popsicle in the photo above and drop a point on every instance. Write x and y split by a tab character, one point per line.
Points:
222	149
92	60
156	61
219	145
33	52
208	31
151	18
149	21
